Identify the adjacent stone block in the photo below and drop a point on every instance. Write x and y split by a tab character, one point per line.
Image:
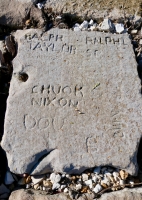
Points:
74	103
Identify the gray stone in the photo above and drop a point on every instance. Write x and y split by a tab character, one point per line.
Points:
13	12
74	103
36	195
130	194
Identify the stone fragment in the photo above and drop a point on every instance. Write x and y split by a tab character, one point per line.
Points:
134	31
140	41
8	178
119	28
43	188
63	186
95	178
28	179
97	188
78	187
37	179
55	178
47	184
89	183
123	174
36	186
84	177
55	186
62	111
84	25
93	27
107	25
40	5
66	190
91	22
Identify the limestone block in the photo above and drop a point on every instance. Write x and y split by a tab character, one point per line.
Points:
74	103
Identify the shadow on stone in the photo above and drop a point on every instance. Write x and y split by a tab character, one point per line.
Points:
139	155
3	164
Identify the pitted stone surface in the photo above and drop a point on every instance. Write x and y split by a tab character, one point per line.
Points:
74	103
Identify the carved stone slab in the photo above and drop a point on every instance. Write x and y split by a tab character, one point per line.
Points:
74	103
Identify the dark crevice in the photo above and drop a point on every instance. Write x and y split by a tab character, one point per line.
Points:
6	70
139	155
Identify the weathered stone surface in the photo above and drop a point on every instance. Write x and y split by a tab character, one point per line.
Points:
35	195
74	103
13	12
130	194
95	8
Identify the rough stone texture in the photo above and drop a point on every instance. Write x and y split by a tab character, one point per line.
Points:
80	106
13	12
35	195
130	194
95	8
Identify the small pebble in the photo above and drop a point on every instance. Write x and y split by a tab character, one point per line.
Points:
131	182
78	187
47	184
134	31
89	183
84	177
40	5
36	186
140	41
107	25
97	188
55	186
37	179
84	25
84	189
95	179
63	186
122	182
43	188
91	22
123	174
67	175
55	178
66	190
28	179
119	28
28	186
